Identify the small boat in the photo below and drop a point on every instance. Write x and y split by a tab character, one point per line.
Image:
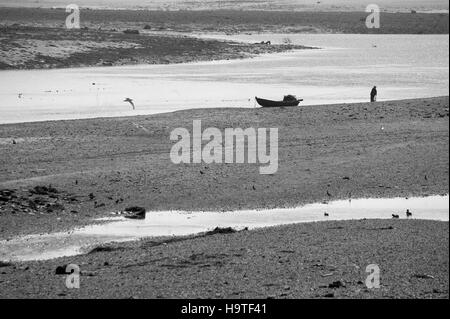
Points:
289	100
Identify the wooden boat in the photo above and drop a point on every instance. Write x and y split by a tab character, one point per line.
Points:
270	103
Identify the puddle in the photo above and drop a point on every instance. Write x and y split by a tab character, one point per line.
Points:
178	223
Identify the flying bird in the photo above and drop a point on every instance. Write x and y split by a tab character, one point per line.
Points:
129	101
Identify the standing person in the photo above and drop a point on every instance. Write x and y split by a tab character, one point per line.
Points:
373	94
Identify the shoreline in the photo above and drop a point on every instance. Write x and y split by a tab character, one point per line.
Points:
37	47
173	226
64	174
122	166
105	118
311	260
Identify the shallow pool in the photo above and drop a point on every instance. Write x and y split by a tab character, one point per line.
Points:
178	223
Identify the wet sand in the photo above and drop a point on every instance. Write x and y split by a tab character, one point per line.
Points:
316	260
37	47
386	149
328	152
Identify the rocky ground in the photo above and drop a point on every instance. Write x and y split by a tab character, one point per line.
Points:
234	21
314	260
61	174
85	169
31	47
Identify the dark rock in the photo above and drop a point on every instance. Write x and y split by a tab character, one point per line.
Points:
7	195
101	249
131	31
423	276
91	196
39	201
61	270
336	284
135	212
44	190
329	295
6	192
4	264
32	204
147	27
55	207
220	230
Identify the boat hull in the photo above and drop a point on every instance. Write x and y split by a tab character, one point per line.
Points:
270	103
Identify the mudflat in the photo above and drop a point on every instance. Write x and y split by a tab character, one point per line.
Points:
59	174
235	21
36	47
313	260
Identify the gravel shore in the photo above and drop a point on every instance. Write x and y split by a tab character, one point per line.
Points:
60	174
313	260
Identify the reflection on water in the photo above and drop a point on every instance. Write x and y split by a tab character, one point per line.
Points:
348	66
185	223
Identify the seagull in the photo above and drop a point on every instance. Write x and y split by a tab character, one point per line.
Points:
129	101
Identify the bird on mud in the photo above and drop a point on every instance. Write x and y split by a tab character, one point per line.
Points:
395	216
129	101
408	213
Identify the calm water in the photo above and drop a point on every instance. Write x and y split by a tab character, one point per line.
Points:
168	223
402	66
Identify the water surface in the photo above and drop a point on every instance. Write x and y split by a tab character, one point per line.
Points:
344	71
167	223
